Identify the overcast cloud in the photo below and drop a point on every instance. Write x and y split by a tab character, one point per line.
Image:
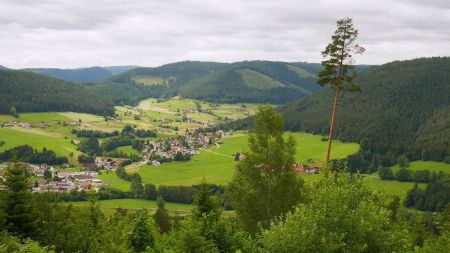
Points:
78	33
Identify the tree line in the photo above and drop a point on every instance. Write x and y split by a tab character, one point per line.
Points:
409	175
26	153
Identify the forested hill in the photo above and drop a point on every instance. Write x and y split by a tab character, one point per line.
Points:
169	78
90	74
404	108
249	81
27	91
253	81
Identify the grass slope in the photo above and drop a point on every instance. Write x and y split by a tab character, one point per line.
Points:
257	80
111	179
108	206
37	139
426	165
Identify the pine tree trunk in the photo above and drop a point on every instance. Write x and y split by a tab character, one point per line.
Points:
330	137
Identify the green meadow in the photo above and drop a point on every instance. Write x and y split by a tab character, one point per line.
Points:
108	206
38	139
427	165
110	179
128	150
48	117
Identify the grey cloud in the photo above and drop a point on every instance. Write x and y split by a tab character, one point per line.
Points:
67	33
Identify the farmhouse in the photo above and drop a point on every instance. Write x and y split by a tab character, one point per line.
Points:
299	168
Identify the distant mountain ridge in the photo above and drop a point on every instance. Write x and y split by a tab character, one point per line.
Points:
247	81
89	74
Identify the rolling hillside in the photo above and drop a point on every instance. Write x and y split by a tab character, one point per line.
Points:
253	81
404	108
249	81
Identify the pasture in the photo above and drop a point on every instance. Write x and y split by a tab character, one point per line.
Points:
38	139
427	165
108	206
111	179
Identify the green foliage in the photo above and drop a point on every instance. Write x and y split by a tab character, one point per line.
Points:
9	243
141	238
204	202
19	213
150	192
434	197
47	174
437	245
137	188
341	216
338	66
90	146
264	185
25	153
13	111
403	161
161	216
386	173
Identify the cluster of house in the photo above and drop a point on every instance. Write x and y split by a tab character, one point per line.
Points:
191	145
307	169
104	163
69	181
21	124
57	181
167	150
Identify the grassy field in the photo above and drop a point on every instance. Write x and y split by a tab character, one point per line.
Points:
108	206
426	165
257	80
128	150
169	108
135	204
389	188
6	118
309	146
110	179
48	117
148	80
37	139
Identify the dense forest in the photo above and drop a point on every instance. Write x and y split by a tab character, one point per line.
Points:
29	92
403	109
91	74
32	92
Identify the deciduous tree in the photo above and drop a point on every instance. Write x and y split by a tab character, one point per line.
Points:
264	185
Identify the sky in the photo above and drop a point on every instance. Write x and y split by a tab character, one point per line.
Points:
81	33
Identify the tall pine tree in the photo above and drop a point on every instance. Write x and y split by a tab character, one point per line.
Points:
338	68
